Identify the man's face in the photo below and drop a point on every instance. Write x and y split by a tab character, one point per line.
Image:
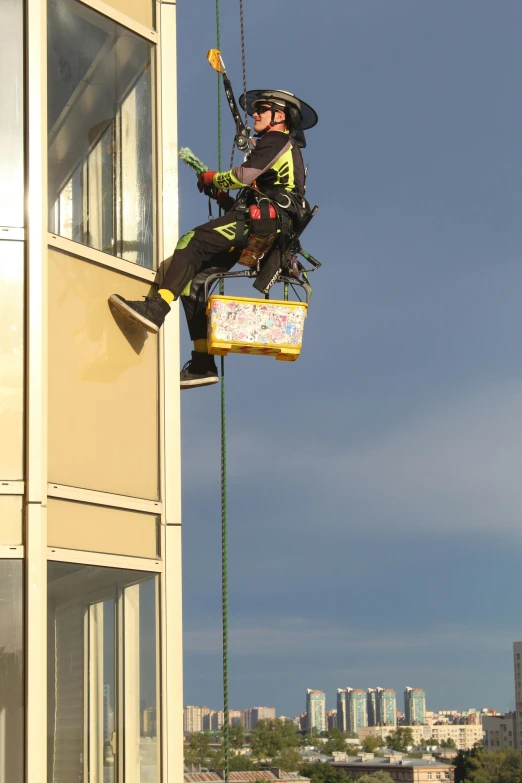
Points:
263	117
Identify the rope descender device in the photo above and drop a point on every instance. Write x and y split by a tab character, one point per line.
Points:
242	131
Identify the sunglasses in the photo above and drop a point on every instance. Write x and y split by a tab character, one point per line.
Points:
262	109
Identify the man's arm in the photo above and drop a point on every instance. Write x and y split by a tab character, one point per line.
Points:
267	150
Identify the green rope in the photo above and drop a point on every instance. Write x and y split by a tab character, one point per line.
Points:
224	515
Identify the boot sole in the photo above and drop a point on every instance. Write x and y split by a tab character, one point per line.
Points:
198	382
131	314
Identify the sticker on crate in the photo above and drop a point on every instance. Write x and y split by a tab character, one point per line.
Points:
258	326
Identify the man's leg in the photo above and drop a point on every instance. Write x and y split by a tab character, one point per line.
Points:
195	250
201	370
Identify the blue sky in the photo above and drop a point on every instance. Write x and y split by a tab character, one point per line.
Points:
375	494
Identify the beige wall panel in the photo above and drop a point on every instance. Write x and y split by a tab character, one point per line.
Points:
11	528
90	528
11	360
103	383
139	10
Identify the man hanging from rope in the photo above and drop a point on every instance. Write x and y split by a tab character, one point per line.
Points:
274	168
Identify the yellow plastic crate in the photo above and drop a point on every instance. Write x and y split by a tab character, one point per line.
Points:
263	327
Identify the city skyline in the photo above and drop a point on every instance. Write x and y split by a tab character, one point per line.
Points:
385	705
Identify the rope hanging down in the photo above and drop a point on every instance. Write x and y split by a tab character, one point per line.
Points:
224	508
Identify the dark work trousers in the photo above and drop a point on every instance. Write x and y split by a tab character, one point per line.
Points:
199	253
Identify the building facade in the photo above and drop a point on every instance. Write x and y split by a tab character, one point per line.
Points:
316	710
398	768
386	707
357	710
251	717
193	718
499	731
90	506
371	706
517	661
414	706
465	736
342	708
331	719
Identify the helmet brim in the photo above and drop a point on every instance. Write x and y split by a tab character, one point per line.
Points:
308	115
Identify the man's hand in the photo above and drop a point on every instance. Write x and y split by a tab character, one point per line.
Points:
224	201
205	183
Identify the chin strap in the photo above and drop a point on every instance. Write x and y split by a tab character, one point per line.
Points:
273	123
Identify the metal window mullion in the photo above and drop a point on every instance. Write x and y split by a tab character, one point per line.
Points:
159	654
12	552
131	652
85	738
157	223
86	253
118	173
119	700
100	498
96	737
172	675
35	596
104	560
122	19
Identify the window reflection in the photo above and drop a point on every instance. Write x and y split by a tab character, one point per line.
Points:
148	683
100	133
102	677
11	116
11	672
11	360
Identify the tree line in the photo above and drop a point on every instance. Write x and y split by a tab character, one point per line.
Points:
276	743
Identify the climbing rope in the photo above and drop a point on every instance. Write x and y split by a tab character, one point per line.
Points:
224	507
243	56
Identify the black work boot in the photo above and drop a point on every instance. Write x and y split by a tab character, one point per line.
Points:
150	313
201	370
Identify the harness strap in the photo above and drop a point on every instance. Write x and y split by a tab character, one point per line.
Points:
241	238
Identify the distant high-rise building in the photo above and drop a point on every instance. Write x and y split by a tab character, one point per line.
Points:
356	709
517	660
415	706
386	707
193	718
316	709
252	716
149	722
331	720
352	709
234	717
371	706
108	714
218	720
342	708
206	722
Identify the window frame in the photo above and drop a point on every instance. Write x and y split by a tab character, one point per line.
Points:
17	553
98	256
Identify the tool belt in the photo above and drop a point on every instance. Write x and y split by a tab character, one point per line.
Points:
262	232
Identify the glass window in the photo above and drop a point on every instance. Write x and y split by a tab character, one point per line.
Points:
100	133
102	676
11	360
11	672
12	121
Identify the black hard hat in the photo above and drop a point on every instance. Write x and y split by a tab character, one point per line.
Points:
280	98
299	115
